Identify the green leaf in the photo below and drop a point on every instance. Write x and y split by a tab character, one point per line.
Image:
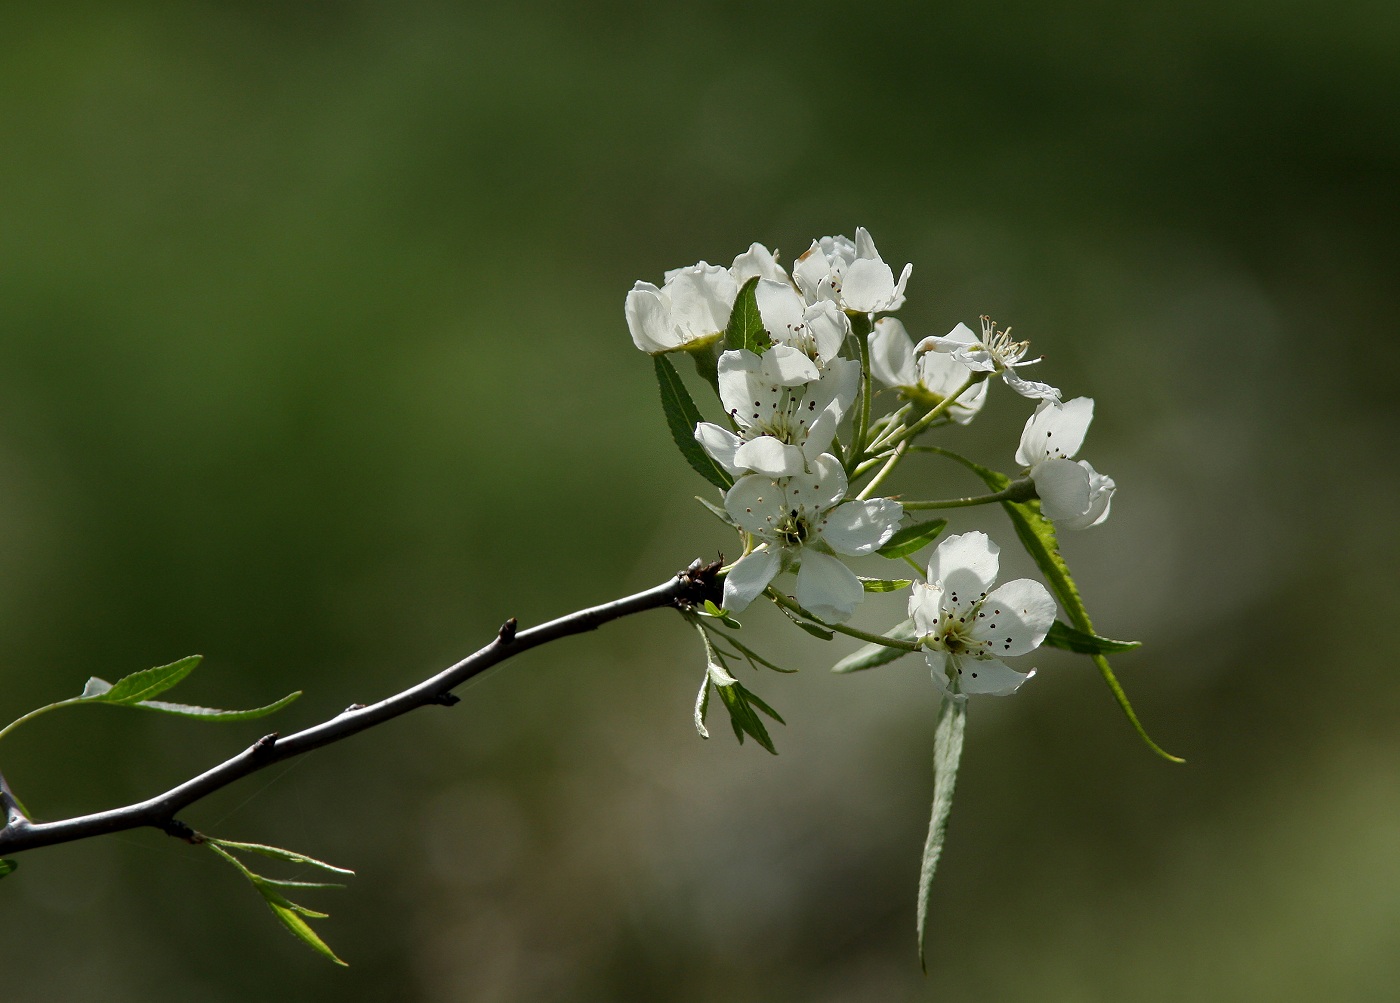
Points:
913	538
814	630
302	931
7	867
277	853
740	703
755	656
682	416
718	512
868	656
884	584
714	612
947	752
141	685
214	714
1064	636
745	329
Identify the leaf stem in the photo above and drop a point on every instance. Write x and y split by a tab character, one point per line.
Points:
793	607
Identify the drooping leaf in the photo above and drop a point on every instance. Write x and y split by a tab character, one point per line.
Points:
702	707
754	656
868	656
1068	638
7	867
885	584
681	417
947	752
214	714
140	685
740	703
912	539
745	329
718	512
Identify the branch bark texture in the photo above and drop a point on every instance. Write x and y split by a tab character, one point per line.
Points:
694	585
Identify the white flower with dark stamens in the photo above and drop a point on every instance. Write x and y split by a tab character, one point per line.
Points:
850	273
818	329
802	520
690	311
786	410
757	260
994	352
1074	495
966	627
927	377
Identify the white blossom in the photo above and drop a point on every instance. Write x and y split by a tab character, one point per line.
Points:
926	377
689	311
801	520
817	329
994	353
966	627
1074	495
757	260
785	407
850	273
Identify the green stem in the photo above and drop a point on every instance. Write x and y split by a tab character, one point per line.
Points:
36	712
793	607
937	411
884	473
1018	491
860	327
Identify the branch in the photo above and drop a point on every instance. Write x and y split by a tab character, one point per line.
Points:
694	585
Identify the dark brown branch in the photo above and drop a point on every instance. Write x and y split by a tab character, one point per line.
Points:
694	585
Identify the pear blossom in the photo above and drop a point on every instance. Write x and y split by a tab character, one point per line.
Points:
757	260
926	378
818	329
1074	495
850	273
785	407
801	520
966	627
690	311
994	353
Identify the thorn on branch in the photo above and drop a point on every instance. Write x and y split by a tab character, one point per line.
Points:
507	632
446	699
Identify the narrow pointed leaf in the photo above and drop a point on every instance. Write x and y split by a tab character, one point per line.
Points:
1066	637
681	417
755	656
214	714
815	631
140	685
702	707
753	699
741	715
868	656
277	853
745	328
300	929
885	584
912	539
947	753
718	512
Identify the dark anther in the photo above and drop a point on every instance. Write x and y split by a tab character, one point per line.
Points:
180	830
507	632
446	699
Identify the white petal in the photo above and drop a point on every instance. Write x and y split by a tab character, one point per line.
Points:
1014	618
964	567
868	286
748	578
812	273
1028	388
756	503
821	432
865	244
1055	430
925	607
787	366
828	327
861	527
701	297
720	443
839	383
1101	490
781	308
897	300
827	588
938	668
757	261
817	491
1063	486
766	455
754	389
989	676
892	354
648	319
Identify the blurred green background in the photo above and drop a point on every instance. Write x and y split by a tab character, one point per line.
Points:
312	359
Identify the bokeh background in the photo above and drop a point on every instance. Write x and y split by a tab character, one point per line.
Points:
312	359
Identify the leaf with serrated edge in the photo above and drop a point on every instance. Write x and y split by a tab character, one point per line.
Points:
214	714
868	656
1063	636
912	539
947	752
681	417
142	685
745	328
